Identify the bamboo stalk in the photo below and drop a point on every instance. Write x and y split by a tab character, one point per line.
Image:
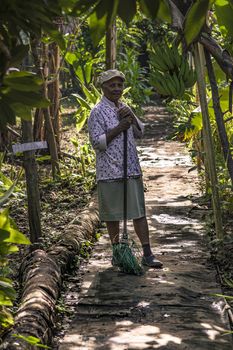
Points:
208	141
219	116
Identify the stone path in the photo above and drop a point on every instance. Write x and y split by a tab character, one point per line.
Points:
173	308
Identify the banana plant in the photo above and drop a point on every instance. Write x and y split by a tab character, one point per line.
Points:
82	65
136	78
86	103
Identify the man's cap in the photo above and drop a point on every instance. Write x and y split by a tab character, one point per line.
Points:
110	74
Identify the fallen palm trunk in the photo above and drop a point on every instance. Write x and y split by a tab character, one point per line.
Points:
41	276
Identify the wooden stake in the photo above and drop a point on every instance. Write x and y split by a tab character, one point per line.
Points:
33	196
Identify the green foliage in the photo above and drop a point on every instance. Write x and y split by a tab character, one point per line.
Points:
187	121
82	165
222	255
83	58
224	13
19	93
135	75
7	184
85	249
225	186
132	59
20	21
92	96
86	162
195	19
4	198
103	12
30	18
31	340
9	237
82	64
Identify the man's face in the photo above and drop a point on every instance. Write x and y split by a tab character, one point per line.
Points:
113	89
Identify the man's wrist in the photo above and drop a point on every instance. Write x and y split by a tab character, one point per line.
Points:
110	135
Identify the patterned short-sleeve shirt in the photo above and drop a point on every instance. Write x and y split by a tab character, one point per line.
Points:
109	158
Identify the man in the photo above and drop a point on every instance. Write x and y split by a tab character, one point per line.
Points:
107	121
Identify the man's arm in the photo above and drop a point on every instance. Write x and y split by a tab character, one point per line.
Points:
124	124
98	137
138	127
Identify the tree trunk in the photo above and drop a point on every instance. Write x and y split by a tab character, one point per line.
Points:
111	47
208	142
33	195
54	91
50	136
38	126
49	132
219	116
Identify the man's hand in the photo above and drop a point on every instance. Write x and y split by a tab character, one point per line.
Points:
125	123
124	112
126	119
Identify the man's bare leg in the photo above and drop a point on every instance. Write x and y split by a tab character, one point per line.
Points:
113	231
142	231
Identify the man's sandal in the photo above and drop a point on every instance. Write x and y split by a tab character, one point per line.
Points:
151	261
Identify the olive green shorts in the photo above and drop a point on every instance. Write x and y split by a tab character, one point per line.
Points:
111	197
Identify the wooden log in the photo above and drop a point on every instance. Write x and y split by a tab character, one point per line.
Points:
41	277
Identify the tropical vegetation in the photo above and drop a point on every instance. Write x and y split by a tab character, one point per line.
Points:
51	53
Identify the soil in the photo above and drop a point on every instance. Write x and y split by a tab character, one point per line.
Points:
176	307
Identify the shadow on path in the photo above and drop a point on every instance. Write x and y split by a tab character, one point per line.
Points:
168	309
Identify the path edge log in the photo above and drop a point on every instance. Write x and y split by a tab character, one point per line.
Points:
41	278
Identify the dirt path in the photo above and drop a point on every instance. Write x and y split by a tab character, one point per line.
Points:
163	309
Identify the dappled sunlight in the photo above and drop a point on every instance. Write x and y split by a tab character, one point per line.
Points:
165	282
150	158
127	335
86	285
176	220
212	330
170	248
140	337
160	279
163	339
143	304
137	337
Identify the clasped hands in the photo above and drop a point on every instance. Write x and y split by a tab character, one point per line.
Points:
126	118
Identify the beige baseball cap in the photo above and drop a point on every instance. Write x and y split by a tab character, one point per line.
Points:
109	74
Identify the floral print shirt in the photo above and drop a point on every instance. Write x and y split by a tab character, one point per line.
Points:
109	158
